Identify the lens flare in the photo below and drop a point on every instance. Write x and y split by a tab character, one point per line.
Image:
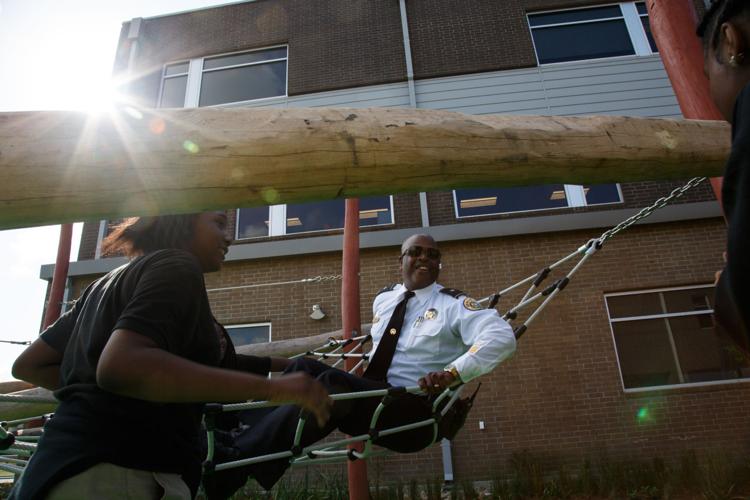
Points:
134	113
190	147
156	125
269	195
642	415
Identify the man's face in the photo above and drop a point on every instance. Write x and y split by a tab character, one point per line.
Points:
420	262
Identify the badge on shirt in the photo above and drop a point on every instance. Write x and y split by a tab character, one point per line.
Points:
471	304
430	314
477	346
393	331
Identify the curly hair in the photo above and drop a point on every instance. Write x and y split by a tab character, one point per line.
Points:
141	235
719	12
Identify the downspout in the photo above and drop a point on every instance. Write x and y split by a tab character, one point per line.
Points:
412	95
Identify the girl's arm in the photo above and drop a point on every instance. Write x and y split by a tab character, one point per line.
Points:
133	365
39	364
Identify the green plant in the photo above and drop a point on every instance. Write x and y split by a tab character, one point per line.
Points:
527	475
717	482
587	483
468	490
500	489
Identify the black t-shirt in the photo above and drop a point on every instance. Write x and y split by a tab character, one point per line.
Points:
732	302
162	296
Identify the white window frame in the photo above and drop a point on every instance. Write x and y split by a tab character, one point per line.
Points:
671	340
640	17
277	221
575	195
632	22
195	77
244	325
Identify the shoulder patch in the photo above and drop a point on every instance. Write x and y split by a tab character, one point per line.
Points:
453	292
471	304
387	288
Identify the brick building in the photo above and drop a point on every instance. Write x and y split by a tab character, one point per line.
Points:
623	363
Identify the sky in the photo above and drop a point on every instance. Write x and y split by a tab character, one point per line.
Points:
54	54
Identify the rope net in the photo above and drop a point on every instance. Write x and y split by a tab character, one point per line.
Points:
16	446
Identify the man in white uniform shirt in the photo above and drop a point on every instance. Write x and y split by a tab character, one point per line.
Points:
423	334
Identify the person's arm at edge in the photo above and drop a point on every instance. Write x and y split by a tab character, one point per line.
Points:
39	364
133	365
261	365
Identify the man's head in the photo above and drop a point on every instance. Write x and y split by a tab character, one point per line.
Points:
420	261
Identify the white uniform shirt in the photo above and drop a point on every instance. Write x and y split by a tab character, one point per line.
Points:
440	331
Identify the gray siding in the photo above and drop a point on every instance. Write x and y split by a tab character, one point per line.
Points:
633	86
385	96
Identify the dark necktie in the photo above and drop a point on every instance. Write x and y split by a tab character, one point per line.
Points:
381	360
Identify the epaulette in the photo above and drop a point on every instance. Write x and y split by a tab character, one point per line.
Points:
453	292
387	288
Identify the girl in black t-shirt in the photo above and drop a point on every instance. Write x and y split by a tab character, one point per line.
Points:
725	30
131	362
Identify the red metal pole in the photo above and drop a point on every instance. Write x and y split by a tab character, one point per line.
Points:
54	304
357	470
673	24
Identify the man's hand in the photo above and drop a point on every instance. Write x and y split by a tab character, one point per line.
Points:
303	390
436	382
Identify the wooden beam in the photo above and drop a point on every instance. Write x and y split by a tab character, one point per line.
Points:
63	166
292	347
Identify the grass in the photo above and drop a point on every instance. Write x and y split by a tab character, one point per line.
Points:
712	476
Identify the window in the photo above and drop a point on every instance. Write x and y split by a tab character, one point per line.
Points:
257	333
666	337
230	78
492	201
591	33
174	83
279	220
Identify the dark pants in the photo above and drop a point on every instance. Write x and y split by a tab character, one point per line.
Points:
275	431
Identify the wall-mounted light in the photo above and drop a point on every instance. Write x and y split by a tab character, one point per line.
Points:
317	312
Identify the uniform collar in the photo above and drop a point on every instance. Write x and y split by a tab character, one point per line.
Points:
422	294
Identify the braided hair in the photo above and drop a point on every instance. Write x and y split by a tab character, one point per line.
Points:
718	13
141	235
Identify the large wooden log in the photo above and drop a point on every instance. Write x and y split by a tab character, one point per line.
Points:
60	166
292	347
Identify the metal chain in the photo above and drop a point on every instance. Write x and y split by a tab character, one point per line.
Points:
661	202
320	279
315	279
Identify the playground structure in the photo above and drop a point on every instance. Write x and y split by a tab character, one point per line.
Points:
353	150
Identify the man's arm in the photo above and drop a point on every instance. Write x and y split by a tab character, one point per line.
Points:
489	338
